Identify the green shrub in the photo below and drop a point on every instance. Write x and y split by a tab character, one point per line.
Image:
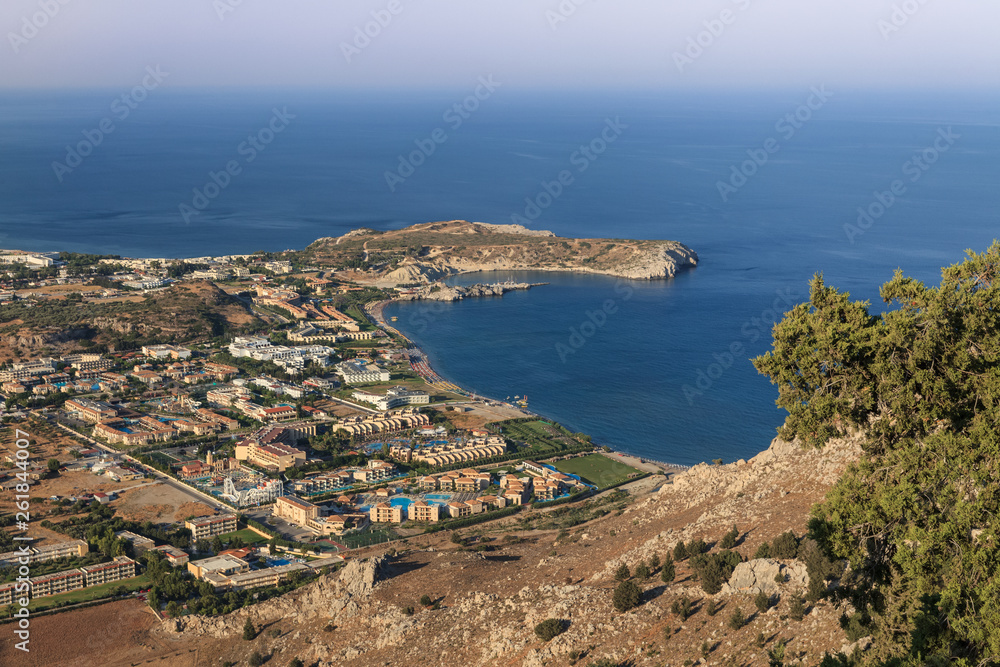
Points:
856	626
549	628
425	600
604	662
642	572
762	601
622	573
785	546
255	659
737	620
710	608
626	596
763	551
796	610
695	547
680	552
728	540
682	608
249	631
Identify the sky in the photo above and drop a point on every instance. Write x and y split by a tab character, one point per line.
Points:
547	44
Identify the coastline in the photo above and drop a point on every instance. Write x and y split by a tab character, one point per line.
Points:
375	312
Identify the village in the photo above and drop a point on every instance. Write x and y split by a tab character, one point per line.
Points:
269	456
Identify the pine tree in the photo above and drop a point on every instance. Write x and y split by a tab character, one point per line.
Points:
667	573
626	596
249	631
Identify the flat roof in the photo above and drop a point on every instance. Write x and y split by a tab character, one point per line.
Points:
220	562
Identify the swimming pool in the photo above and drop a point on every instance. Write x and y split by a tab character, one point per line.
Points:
438	496
401	502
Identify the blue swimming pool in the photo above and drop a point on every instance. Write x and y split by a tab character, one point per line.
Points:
438	496
401	502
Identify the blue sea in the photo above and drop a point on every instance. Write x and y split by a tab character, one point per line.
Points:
766	188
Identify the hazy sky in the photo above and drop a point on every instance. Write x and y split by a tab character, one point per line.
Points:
524	43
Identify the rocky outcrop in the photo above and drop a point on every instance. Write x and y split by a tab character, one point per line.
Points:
513	229
119	326
338	595
724	492
34	340
762	574
663	260
777	465
459	292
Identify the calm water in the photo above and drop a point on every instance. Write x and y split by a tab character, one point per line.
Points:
324	174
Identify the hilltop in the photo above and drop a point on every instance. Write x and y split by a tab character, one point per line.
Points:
431	251
185	312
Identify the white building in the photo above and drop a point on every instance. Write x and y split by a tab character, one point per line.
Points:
359	372
396	397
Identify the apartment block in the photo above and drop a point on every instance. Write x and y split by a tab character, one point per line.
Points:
139	543
386	513
271	576
57	582
422	511
176	557
222	565
90	411
296	510
208	527
102	573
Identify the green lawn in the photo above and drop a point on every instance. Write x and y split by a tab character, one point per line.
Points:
248	536
541	437
597	469
367	538
88	594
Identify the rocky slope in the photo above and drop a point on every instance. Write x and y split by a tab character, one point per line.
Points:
541	565
516	572
432	251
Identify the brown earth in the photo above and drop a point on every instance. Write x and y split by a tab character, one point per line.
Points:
159	503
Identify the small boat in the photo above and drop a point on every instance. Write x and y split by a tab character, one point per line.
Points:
394	318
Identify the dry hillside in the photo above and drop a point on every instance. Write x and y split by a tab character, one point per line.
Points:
558	564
